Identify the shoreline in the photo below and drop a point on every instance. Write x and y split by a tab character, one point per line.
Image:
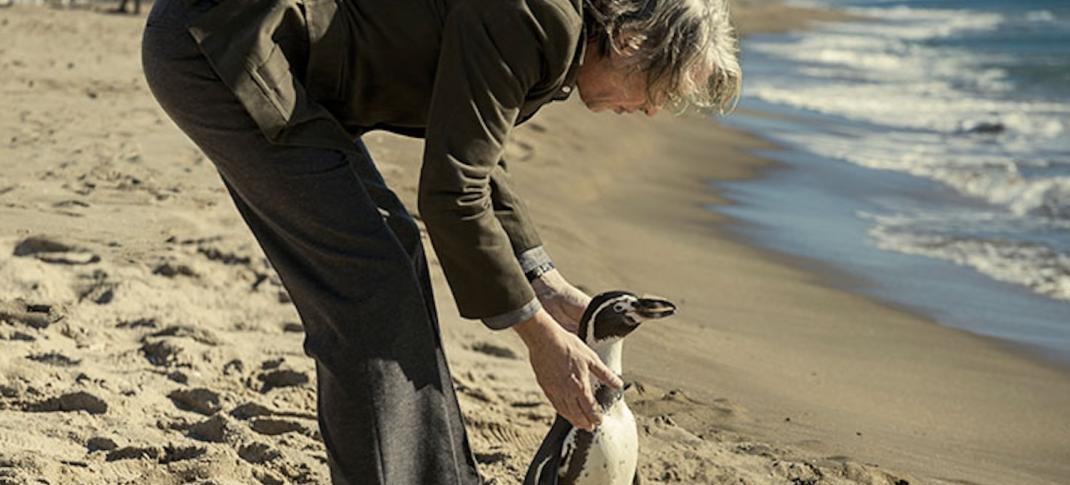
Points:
840	273
839	279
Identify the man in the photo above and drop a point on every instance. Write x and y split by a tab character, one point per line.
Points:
277	93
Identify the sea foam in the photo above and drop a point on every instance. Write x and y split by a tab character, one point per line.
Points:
942	95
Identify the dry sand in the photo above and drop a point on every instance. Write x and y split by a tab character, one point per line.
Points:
144	339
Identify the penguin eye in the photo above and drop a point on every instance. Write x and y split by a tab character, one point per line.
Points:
619	308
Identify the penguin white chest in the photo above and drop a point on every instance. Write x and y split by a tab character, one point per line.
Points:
612	454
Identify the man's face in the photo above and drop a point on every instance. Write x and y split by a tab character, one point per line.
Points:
609	84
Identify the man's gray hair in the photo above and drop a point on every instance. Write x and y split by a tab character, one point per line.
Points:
686	48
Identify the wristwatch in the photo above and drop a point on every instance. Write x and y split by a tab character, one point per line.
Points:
539	270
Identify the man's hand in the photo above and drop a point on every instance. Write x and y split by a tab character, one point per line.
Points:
563	365
561	300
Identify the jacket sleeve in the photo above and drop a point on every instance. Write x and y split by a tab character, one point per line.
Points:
490	57
511	212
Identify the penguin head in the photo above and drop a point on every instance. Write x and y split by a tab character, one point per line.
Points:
613	315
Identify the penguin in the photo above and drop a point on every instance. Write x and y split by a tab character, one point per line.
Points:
609	454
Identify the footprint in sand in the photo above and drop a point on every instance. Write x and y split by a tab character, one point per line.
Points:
178	376
70	203
272	426
249	409
258	453
96	287
133	453
755	450
18	467
507	434
197	334
234	367
166	353
173	453
274	376
228	258
69	207
272	363
138	323
55	252
216	429
170	346
34	315
71	401
477	393
194	241
198	400
169	270
796	472
494	350
16	335
54	358
100	443
664	428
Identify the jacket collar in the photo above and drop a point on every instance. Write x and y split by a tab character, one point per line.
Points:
569	84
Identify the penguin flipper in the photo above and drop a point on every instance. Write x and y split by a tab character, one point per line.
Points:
546	464
635	479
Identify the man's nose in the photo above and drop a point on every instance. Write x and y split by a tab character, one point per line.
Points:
650	110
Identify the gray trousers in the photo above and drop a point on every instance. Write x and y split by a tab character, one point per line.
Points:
350	256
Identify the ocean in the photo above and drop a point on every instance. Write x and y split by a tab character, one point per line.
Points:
924	153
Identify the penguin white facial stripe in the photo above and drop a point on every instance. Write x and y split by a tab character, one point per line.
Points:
589	335
609	325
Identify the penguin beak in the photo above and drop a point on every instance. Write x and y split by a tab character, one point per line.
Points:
654	307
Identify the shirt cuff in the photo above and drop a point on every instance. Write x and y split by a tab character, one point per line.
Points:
513	317
533	258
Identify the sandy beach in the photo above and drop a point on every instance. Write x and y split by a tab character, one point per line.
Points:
145	339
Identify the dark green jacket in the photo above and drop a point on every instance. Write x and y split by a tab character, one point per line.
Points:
459	73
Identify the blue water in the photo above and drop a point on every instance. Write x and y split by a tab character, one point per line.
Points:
927	152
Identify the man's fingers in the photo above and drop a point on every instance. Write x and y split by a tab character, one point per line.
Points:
585	398
605	375
562	401
573	413
588	413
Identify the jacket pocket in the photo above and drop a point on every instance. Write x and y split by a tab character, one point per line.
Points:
240	39
276	83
